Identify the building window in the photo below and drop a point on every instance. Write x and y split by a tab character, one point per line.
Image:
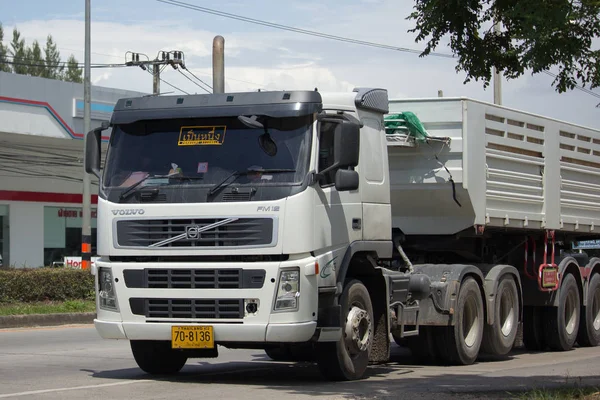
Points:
62	233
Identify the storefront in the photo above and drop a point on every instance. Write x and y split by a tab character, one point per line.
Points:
41	167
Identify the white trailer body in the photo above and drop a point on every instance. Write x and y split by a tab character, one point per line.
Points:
512	169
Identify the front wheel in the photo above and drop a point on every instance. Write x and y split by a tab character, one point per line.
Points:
348	358
157	357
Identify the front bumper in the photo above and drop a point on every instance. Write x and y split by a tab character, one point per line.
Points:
299	332
263	326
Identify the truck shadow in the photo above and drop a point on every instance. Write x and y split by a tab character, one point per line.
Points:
400	376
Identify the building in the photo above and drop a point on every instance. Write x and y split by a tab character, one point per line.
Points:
41	166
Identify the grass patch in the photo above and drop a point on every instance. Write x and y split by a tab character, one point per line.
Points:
590	393
48	307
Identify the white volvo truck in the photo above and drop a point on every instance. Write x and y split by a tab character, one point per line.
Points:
295	222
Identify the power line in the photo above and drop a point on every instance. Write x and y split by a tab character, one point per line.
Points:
60	64
583	89
184	67
163	81
297	30
195	83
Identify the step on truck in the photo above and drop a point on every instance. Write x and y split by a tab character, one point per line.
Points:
323	227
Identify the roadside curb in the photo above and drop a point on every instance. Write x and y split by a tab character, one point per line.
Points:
33	320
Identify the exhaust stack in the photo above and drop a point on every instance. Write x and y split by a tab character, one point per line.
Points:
219	64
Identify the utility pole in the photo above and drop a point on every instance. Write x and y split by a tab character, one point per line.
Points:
497	74
156	79
86	229
173	58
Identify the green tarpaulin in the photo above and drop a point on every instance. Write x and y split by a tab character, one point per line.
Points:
405	123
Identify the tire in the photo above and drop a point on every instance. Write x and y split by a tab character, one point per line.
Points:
562	322
533	329
460	344
499	338
589	327
157	357
348	359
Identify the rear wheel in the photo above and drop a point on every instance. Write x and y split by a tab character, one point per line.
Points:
562	322
589	328
348	358
499	338
459	344
157	357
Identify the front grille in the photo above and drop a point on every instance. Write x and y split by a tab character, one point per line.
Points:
188	308
198	278
169	233
194	278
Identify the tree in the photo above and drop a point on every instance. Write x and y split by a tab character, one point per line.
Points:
54	67
19	53
73	72
536	35
34	58
4	67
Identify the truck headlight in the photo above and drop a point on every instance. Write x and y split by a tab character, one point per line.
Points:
106	290
288	290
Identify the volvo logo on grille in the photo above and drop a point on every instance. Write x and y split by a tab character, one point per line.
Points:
192	232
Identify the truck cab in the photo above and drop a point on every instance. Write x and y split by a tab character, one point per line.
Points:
231	219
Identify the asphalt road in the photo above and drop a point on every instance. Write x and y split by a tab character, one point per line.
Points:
75	363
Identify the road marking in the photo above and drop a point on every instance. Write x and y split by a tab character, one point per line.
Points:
3	396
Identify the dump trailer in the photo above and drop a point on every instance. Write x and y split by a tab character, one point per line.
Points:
324	226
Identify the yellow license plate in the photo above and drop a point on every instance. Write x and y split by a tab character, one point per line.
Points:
192	337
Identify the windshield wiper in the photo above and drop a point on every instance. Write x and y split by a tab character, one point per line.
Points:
240	173
131	188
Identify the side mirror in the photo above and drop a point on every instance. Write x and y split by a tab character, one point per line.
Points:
92	150
346	180
346	143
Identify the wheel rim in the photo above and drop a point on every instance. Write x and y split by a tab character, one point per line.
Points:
471	322
507	312
596	309
357	332
571	305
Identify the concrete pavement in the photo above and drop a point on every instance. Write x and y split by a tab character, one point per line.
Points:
72	362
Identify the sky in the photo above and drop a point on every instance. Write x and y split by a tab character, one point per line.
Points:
259	57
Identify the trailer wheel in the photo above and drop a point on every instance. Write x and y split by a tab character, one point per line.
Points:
348	358
533	329
157	357
459	344
589	328
499	338
562	322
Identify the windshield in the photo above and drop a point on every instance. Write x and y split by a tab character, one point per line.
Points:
200	154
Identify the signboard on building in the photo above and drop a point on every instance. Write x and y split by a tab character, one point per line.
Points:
75	262
587	244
